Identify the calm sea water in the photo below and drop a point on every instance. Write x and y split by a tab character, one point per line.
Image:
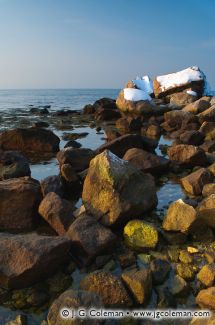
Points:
57	98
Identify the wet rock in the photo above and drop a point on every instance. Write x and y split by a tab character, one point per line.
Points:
106	192
146	161
197	106
73	144
206	211
103	114
180	217
194	182
74	136
187	155
89	109
20	198
139	283
206	298
89	239
13	165
179	287
57	212
39	110
106	103
29	140
208	189
160	269
52	184
79	159
111	134
120	145
40	124
109	287
186	271
192	137
140	235
207	275
208	115
74	299
19	320
29	258
128	124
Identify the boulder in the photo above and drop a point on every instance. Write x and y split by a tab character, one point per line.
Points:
208	189
139	283
89	239
109	287
208	129
197	106
208	146
29	258
103	114
208	115
194	182
207	275
187	155
181	99
79	159
179	287
140	235
192	137
120	145
74	300
160	269
206	211
89	109
175	119
107	103
107	190
128	124
111	134
57	212
29	140
146	161
186	271
153	131
13	165
180	217
191	78
206	298
52	184
20	198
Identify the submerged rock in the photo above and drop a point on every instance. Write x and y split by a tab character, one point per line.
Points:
107	190
20	198
57	212
109	287
13	165
29	258
140	235
180	217
29	140
74	299
146	161
194	182
89	239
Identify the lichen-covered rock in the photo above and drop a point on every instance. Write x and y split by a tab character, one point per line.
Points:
146	161
73	299
89	239
194	182
207	275
29	140
29	258
186	271
13	165
109	287
206	211
206	298
140	235
180	217
57	212
139	283
19	201
187	155
107	190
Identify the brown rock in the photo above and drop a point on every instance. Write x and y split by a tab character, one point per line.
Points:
208	146
20	198
207	115
153	131
57	212
187	155
89	239
208	189
79	159
206	298
108	287
206	211
197	106
13	165
128	124
192	137
146	161
182	98
194	182
52	184
207	275
29	140
29	258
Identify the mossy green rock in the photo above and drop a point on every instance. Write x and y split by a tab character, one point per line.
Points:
140	235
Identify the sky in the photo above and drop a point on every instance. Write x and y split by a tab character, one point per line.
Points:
102	44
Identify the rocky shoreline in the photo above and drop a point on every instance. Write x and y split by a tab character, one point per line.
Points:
117	249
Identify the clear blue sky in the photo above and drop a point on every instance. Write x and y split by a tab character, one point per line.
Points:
98	43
